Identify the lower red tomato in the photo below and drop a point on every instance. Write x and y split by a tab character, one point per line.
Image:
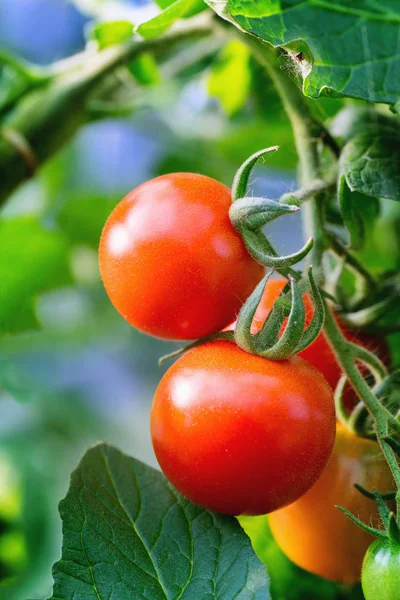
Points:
319	537
319	353
240	434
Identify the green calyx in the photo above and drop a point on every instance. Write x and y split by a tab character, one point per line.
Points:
391	530
275	340
248	215
241	179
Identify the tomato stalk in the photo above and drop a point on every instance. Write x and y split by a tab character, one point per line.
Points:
248	215
271	342
306	193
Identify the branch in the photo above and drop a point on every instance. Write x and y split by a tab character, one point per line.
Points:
48	118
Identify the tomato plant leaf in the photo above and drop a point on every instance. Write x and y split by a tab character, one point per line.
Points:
230	78
111	32
339	47
359	213
33	259
129	534
162	22
370	160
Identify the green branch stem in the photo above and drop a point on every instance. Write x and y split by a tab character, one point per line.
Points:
308	133
301	195
384	420
48	117
27	70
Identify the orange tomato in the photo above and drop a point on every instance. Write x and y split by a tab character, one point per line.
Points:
319	537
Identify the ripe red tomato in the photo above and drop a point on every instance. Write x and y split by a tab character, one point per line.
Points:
171	262
240	434
319	537
319	353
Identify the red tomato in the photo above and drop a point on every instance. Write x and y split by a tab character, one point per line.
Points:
171	262
319	353
240	434
317	536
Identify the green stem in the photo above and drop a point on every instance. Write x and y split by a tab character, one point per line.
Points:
47	118
26	70
345	357
307	132
303	194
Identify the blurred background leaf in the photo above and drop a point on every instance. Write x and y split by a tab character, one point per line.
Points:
33	259
230	78
111	32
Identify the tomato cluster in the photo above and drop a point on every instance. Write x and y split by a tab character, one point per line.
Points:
234	432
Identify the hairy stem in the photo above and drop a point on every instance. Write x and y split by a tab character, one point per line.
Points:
308	132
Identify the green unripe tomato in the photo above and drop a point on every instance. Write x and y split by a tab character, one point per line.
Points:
381	571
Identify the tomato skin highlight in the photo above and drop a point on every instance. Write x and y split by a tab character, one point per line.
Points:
319	353
171	262
317	536
240	434
381	571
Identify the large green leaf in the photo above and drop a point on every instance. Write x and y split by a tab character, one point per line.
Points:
339	46
33	259
128	535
